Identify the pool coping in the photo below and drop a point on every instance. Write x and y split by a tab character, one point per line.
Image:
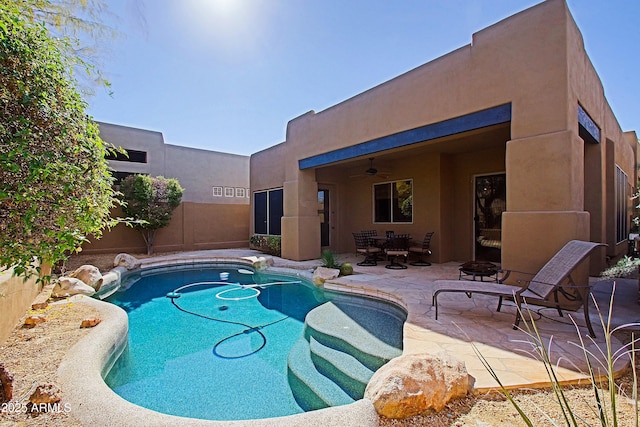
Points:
93	403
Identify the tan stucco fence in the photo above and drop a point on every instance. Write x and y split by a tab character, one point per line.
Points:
194	226
16	295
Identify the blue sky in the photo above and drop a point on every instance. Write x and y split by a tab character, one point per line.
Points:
227	75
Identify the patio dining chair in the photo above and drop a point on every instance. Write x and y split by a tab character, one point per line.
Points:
369	233
397	246
422	250
552	278
364	247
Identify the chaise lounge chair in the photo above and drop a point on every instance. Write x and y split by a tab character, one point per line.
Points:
551	279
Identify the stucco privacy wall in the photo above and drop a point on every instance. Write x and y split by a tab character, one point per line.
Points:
194	226
533	62
204	220
16	296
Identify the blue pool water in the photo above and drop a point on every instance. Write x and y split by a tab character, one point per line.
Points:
217	350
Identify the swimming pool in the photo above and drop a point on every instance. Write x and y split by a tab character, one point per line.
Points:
238	347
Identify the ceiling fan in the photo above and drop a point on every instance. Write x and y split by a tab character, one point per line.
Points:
372	171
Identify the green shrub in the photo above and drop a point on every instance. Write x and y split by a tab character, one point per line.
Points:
329	261
268	244
55	184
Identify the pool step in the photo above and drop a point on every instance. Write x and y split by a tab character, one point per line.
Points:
311	389
343	369
330	326
334	361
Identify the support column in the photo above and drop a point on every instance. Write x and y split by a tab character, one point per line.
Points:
301	223
545	200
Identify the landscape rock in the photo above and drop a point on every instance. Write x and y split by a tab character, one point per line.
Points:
6	384
68	286
322	274
39	305
33	320
127	261
417	384
42	299
260	263
90	322
45	394
89	274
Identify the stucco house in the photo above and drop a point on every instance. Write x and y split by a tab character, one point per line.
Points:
506	148
214	212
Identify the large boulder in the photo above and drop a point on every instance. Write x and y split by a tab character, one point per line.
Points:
90	275
417	384
322	274
68	286
127	261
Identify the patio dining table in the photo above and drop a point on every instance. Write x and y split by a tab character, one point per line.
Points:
379	241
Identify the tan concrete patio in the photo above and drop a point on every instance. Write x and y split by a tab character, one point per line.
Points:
467	322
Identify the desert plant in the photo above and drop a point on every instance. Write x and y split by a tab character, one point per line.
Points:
268	244
328	259
150	202
607	413
254	241
346	269
274	245
623	268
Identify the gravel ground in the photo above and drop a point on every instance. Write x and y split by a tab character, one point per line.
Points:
33	355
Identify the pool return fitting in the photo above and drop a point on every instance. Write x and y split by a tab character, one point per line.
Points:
224	276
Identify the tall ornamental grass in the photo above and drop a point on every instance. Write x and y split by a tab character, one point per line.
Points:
600	367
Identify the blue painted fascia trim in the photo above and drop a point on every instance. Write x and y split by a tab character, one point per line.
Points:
587	124
480	119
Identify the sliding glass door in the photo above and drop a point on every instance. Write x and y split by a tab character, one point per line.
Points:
490	200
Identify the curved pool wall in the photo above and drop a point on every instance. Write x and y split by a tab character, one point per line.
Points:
87	363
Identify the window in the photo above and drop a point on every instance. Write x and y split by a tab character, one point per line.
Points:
134	156
217	191
267	211
239	192
229	191
393	202
622	197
